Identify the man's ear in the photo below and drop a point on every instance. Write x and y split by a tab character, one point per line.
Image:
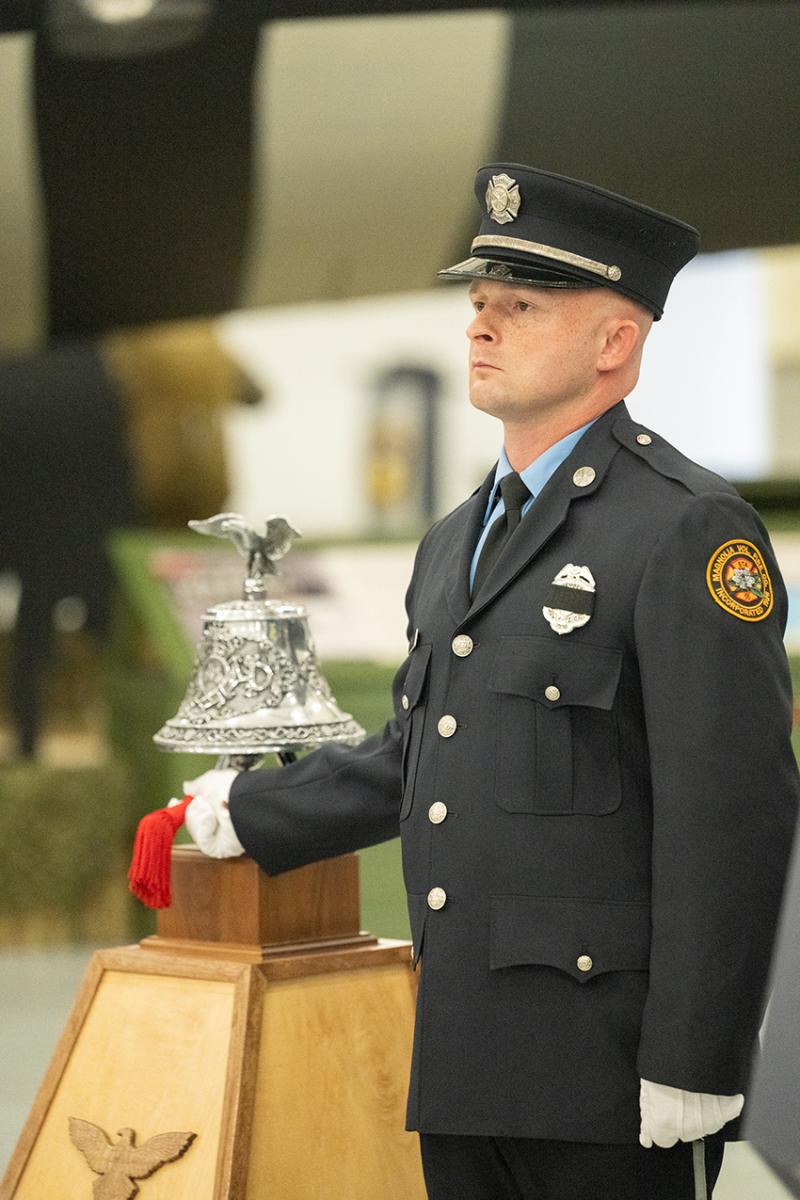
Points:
622	341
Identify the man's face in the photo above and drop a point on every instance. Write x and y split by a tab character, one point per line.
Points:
532	350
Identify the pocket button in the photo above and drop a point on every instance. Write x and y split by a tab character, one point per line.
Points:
552	692
584	963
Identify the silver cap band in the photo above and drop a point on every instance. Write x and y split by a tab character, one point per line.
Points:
565	256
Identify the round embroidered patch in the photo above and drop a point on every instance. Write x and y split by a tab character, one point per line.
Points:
739	581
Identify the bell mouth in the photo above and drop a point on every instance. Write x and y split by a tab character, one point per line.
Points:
183	738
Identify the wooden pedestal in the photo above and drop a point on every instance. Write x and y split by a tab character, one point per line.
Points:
258	1018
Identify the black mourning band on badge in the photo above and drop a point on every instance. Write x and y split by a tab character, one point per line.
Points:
569	599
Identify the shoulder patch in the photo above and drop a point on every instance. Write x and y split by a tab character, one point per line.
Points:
738	580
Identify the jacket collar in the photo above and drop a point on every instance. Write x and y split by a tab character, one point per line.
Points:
547	514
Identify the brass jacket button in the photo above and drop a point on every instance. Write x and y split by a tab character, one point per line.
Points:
462	645
404	701
437	813
437	898
447	725
644	439
552	692
584	963
584	476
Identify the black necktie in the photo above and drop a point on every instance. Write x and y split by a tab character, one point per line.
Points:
514	493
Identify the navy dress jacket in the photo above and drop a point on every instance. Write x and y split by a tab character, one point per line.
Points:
595	896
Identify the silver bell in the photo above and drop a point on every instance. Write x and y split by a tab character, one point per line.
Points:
256	686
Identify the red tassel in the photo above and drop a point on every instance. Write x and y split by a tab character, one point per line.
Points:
149	874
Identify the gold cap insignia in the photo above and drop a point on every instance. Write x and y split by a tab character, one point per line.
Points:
503	199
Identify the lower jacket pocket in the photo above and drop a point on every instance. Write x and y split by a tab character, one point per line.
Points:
583	938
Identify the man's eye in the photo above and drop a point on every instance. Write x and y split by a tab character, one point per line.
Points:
478	305
522	306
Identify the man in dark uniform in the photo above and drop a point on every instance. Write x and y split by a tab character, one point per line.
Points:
589	762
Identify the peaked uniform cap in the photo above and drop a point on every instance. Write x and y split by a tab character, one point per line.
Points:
547	230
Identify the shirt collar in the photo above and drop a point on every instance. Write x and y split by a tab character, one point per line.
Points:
537	473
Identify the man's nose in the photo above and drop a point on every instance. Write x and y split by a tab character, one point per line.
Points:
481	328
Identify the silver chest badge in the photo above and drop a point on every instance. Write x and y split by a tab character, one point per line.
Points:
570	603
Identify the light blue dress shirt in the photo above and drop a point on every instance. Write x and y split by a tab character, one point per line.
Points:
535	476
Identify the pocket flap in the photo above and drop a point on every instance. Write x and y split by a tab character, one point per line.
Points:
580	672
582	937
414	682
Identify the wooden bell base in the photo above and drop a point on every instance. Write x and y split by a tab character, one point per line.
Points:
259	1018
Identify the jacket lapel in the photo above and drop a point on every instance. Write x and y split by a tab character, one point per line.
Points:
547	514
462	547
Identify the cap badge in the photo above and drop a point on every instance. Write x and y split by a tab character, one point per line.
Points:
738	580
498	270
570	603
503	199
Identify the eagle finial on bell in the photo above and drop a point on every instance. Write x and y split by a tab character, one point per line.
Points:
262	551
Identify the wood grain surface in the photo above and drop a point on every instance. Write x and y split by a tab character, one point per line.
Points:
233	901
152	1054
261	1019
332	1077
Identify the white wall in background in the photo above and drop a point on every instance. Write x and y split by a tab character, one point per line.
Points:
317	363
705	374
704	386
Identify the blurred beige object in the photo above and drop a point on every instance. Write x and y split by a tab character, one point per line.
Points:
22	266
783	303
782	270
338	202
175	380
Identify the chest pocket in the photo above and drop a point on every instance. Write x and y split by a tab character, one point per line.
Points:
557	737
413	720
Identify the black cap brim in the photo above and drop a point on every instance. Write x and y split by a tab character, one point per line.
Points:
510	272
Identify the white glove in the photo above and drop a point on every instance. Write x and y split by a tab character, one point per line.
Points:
207	817
670	1114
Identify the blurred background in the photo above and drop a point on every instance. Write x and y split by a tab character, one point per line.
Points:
220	226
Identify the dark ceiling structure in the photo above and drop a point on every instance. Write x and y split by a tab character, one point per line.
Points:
145	161
18	15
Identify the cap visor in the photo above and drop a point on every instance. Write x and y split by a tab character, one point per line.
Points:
510	272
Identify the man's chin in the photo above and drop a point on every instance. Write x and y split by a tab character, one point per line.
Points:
488	401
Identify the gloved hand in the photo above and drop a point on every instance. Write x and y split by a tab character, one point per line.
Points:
670	1114
207	817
